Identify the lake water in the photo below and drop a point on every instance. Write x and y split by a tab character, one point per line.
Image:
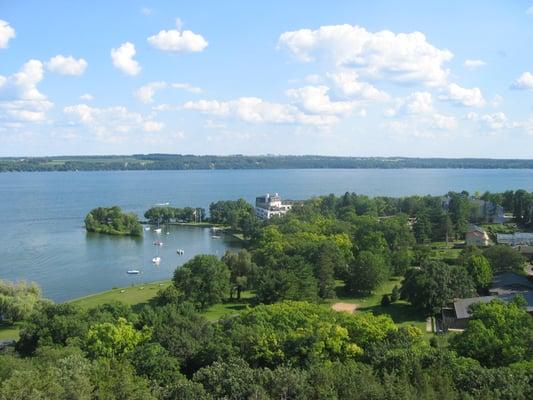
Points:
42	237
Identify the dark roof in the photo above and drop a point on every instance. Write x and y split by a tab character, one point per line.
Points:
510	282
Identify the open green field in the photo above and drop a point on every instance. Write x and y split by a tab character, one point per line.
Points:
138	295
400	311
135	295
441	250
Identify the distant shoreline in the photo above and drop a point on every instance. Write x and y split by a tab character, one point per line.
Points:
169	162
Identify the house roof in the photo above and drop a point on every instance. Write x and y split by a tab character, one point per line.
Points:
462	306
516	238
510	282
474	228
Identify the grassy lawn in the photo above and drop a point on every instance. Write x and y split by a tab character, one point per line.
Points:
220	310
401	312
441	251
138	295
135	295
9	331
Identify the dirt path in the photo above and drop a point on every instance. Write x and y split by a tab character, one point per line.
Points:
345	307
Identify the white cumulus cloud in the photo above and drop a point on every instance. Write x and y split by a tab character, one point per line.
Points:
146	93
315	100
20	99
463	96
110	123
402	57
87	97
256	110
66	65
493	122
122	58
473	64
415	103
6	33
176	40
524	81
349	85
415	115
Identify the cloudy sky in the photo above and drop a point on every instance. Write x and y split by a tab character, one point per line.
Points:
380	78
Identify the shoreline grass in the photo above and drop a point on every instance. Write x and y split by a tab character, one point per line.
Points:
138	295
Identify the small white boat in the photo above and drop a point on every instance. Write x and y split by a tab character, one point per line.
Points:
180	252
147	228
133	272
216	237
157	230
168	233
158	243
156	260
162	204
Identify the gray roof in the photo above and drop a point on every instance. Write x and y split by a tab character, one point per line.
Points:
510	282
462	306
515	238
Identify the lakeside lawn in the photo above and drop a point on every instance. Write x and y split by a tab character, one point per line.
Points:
138	295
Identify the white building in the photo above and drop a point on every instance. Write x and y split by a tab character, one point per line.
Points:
477	236
268	206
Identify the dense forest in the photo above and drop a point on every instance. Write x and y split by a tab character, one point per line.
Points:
191	162
283	340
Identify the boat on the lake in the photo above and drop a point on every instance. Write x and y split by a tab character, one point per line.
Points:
133	272
216	237
156	260
158	243
147	228
157	230
180	252
162	204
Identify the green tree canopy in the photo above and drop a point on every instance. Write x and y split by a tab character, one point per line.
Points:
478	268
204	280
113	222
504	258
498	334
434	284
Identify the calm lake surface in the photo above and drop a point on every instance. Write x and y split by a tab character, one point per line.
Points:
42	237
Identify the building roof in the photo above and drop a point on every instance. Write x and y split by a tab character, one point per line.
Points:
515	238
510	282
474	228
462	306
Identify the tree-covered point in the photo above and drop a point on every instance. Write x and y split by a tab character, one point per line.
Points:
163	215
113	221
238	214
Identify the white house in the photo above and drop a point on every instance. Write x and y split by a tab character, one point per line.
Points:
477	236
269	205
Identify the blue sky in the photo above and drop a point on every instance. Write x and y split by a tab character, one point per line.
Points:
381	78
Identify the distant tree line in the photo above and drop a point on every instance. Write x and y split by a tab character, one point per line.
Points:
191	162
